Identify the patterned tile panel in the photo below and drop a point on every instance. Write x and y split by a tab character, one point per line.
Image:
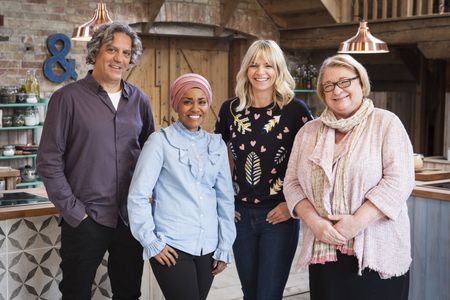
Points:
33	233
101	288
3	231
29	261
34	274
3	276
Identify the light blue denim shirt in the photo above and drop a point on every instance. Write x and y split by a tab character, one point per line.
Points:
187	176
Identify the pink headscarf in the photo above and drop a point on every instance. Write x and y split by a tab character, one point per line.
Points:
186	82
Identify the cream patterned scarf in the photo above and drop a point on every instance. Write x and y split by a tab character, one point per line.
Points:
323	252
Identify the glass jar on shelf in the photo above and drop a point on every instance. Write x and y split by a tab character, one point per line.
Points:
30	117
9	150
8	93
18	118
7	120
21	96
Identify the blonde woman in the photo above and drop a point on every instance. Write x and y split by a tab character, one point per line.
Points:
259	125
349	176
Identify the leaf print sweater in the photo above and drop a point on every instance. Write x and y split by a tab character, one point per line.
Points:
260	141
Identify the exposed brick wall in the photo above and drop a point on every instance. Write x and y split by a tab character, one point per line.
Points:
28	23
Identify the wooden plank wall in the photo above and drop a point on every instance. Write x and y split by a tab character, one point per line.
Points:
446	150
430	243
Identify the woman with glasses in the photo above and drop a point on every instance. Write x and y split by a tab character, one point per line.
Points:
259	125
348	179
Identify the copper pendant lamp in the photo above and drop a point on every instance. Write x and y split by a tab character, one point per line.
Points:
84	32
363	42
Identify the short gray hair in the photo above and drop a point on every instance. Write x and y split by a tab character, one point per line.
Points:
104	34
348	62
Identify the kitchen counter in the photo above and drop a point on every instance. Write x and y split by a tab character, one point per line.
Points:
438	162
31	239
31	210
425	189
33	228
422	189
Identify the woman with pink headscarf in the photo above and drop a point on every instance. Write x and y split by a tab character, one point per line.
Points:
180	203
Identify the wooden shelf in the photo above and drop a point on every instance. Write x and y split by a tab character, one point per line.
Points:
22	127
304	91
23	104
29	183
17	156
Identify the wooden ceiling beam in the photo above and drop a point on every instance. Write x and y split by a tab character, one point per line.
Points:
154	6
396	32
308	20
435	50
334	9
227	9
290	6
278	21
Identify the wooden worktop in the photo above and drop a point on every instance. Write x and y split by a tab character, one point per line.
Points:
423	190
33	210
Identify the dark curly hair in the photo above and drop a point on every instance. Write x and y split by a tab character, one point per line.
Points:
104	34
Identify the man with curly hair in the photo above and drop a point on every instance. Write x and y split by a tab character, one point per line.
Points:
94	131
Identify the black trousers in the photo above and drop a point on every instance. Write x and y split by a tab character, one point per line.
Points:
340	280
82	251
190	278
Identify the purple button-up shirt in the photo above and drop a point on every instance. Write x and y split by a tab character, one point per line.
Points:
88	150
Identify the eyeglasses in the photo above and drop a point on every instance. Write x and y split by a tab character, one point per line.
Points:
344	83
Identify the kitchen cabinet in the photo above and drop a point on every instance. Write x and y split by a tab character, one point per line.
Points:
9	108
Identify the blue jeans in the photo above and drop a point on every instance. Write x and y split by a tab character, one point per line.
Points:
263	253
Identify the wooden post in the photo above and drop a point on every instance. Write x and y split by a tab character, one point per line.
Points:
394	9
238	48
406	8
384	9
430	7
365	10
356	11
346	11
374	9
419	7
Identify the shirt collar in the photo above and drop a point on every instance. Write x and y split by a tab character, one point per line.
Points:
96	87
186	132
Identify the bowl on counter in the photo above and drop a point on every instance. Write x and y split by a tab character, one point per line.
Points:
418	161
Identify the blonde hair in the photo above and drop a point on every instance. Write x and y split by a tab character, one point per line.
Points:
347	62
284	83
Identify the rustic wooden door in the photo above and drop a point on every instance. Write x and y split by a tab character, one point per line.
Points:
166	58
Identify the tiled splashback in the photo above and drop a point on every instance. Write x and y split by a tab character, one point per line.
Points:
29	261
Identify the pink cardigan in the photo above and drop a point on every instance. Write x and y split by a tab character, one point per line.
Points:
381	170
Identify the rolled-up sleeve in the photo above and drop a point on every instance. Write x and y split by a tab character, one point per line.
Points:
397	180
292	190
